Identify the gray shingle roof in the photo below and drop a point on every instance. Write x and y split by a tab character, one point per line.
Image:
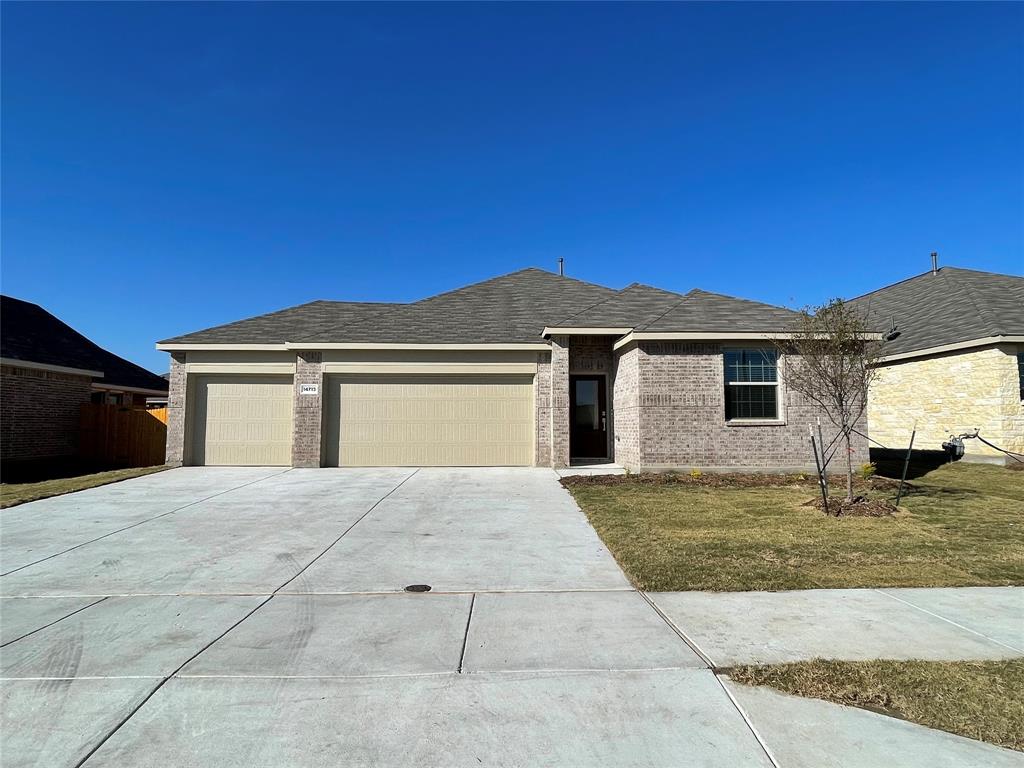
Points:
633	306
513	308
286	324
507	309
703	311
951	306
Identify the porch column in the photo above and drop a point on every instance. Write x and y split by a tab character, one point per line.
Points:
308	395
560	401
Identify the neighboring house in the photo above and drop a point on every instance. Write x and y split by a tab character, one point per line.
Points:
47	372
957	364
530	368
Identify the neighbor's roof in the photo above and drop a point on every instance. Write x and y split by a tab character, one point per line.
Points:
951	306
513	308
31	334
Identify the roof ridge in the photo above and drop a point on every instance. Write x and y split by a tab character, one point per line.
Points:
684	297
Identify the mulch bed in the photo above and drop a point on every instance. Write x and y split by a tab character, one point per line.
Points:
722	480
860	506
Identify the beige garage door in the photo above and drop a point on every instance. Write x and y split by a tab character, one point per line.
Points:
454	421
242	420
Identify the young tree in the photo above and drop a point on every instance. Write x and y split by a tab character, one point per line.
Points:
830	356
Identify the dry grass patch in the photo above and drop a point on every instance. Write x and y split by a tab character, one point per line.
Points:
978	699
12	494
961	525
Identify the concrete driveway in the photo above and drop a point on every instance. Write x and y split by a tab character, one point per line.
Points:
244	617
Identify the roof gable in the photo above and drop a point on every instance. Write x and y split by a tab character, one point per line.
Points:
716	313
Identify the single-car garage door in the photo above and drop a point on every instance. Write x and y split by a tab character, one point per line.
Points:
430	420
241	420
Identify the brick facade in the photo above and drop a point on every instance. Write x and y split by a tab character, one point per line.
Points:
665	409
559	428
308	415
950	394
176	397
40	412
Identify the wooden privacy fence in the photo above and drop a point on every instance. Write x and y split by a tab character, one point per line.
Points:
122	436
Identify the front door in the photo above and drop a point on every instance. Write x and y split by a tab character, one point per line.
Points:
588	418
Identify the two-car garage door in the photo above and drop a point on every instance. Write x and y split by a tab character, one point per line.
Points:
429	420
368	420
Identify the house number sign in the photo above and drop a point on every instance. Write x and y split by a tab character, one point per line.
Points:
309	389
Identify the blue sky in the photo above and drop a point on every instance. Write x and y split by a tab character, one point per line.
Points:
167	167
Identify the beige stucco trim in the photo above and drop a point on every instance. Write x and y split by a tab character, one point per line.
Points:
221	347
981	342
268	368
574	331
366	345
402	367
47	367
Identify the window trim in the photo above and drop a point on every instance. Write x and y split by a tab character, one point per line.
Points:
1020	372
779	420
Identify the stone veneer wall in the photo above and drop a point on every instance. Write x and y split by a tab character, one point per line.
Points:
307	418
949	394
176	396
40	412
682	416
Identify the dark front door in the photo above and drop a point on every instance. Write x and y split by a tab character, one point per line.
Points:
588	417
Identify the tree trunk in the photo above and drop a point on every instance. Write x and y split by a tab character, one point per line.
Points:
849	466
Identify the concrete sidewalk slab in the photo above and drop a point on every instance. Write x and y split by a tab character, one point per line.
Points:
343	635
592	719
995	612
124	636
57	722
810	733
852	624
571	631
21	615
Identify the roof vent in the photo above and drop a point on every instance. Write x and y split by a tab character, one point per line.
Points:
935	263
561	266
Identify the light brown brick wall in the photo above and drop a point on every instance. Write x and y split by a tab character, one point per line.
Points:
560	401
542	405
176	396
626	408
308	415
682	416
950	394
39	412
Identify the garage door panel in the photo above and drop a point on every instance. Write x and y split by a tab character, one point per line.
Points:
430	420
242	420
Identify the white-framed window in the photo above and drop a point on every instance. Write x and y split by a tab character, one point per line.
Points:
751	384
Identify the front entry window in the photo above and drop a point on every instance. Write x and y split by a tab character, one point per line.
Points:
587	415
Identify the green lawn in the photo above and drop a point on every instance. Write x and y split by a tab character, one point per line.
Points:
960	525
12	494
978	699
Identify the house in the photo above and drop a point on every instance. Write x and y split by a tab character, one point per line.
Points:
47	372
530	368
956	363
